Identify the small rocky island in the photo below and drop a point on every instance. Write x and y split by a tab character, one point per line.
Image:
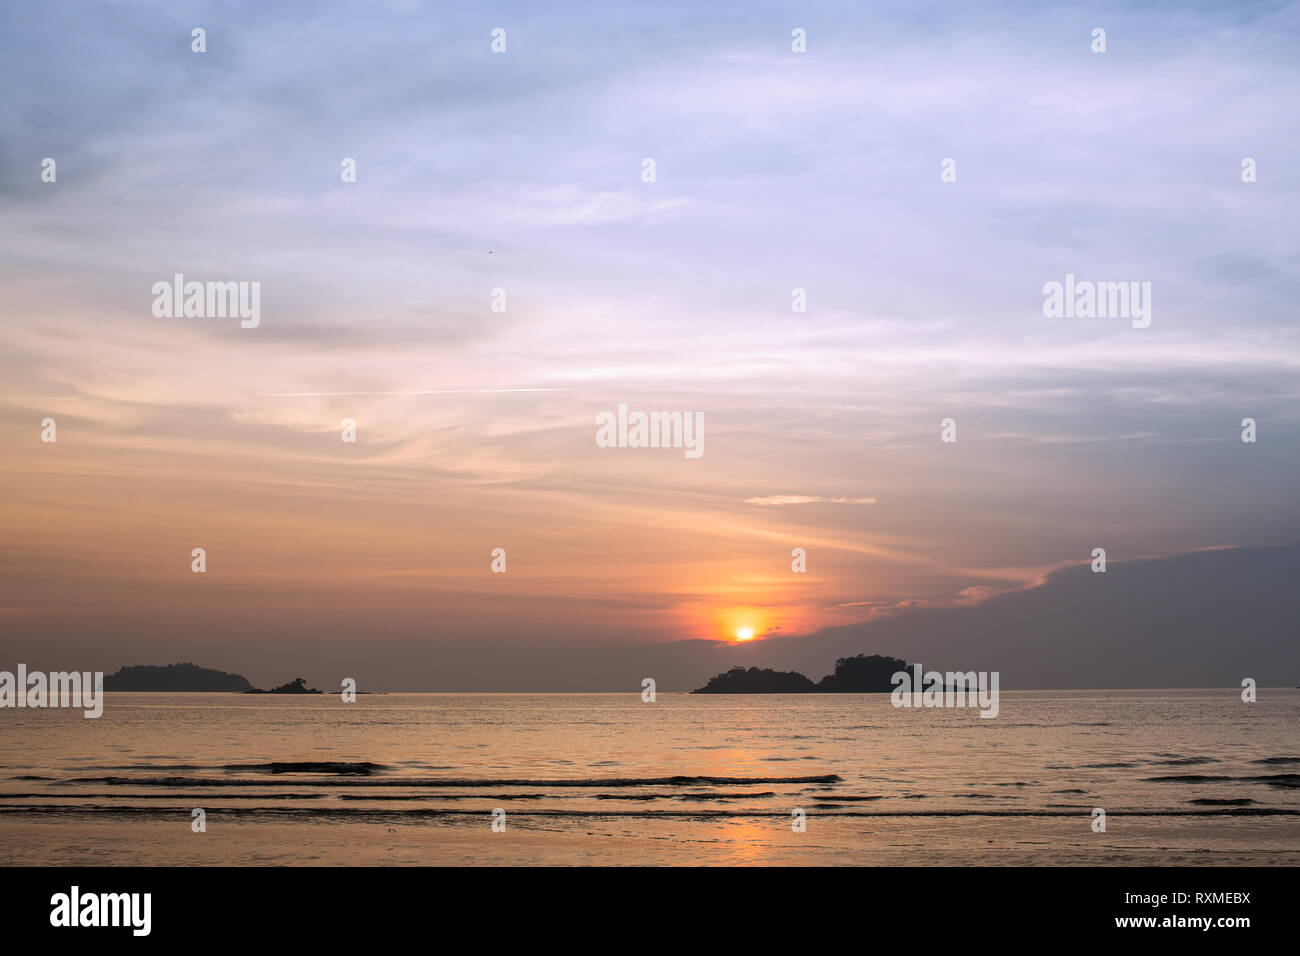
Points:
758	680
296	686
862	674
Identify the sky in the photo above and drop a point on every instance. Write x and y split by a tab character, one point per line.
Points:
523	171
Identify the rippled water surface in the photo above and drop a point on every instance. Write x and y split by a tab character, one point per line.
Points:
567	766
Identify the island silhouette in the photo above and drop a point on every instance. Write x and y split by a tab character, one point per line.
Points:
175	678
863	674
191	678
296	686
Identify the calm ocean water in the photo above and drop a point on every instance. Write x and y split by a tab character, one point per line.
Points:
1184	776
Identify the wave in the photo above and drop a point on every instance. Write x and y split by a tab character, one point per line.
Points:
1170	760
846	797
1289	781
346	768
363	813
675	781
1211	802
263	795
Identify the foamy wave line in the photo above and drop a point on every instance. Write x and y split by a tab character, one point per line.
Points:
344	767
677	781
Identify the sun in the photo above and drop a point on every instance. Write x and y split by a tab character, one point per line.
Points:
742	624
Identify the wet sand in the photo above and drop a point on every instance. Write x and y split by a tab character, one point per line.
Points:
758	841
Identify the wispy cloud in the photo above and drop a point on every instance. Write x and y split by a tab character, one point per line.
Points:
807	500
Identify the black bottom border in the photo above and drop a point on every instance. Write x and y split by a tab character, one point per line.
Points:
367	905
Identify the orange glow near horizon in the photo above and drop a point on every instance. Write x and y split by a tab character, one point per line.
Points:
740	625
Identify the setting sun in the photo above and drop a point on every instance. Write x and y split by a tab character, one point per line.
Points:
742	623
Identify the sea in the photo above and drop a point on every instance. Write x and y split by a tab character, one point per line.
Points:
1057	778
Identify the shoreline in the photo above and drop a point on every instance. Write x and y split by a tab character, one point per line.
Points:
1019	841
